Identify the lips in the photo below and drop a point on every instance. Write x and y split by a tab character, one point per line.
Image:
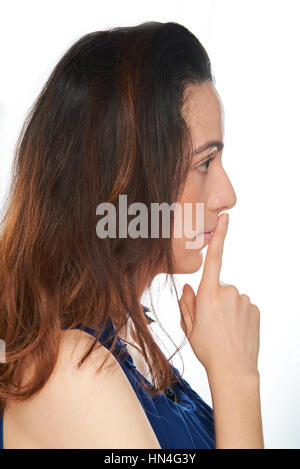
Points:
207	232
207	235
211	231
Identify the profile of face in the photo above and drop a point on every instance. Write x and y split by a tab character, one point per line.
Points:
207	181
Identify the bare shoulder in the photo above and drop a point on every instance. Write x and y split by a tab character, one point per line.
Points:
82	407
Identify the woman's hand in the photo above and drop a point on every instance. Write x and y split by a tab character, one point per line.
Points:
221	325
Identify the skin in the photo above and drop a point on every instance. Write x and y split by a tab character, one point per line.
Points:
204	116
221	326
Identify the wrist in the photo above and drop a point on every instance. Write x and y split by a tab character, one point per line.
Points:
242	379
237	409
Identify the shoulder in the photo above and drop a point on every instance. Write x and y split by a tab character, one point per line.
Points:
84	407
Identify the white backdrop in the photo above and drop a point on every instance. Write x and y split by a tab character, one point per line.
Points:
254	49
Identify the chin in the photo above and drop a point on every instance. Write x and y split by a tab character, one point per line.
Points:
191	263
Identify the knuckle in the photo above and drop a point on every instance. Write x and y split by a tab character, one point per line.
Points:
231	295
245	298
255	310
232	290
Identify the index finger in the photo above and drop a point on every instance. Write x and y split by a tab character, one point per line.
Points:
213	259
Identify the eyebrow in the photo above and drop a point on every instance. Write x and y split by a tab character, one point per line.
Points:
214	143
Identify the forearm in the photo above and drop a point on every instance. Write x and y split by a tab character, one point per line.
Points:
237	411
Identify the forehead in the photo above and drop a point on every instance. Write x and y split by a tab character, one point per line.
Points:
203	112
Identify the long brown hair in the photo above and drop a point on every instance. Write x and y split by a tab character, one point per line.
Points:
107	122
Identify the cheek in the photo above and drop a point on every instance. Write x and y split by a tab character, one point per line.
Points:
191	207
188	260
193	190
185	260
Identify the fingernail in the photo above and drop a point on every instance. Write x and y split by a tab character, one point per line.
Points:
225	217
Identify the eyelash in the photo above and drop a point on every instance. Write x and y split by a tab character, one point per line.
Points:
204	164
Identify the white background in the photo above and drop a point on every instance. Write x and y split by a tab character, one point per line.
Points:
254	49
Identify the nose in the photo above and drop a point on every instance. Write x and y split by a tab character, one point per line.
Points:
222	195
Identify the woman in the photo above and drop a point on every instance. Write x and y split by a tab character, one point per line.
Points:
128	111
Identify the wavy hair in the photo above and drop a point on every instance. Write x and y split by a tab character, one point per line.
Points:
107	122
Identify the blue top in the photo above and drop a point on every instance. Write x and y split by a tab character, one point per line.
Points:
185	424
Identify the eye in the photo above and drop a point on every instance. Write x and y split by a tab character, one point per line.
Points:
203	167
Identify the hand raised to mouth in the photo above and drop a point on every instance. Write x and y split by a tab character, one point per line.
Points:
221	325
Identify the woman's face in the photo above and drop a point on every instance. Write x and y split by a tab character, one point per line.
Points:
206	182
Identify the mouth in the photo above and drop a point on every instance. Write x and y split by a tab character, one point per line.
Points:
207	235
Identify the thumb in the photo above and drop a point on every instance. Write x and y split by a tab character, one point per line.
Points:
187	309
